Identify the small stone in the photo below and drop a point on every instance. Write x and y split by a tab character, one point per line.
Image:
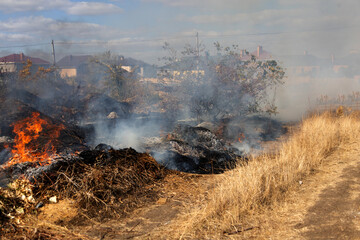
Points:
39	205
53	199
112	115
161	201
300	182
20	210
31	199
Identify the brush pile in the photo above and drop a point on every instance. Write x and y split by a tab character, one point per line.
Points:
103	183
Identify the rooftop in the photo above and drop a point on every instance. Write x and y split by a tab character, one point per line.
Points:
21	58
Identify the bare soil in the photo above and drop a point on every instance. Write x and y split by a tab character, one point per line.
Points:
336	213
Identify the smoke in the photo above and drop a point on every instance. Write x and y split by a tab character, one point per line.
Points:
125	133
4	152
201	98
312	83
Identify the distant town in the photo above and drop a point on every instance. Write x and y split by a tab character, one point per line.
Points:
306	65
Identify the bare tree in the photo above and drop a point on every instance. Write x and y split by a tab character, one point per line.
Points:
119	83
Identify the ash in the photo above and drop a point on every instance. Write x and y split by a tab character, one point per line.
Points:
33	170
193	149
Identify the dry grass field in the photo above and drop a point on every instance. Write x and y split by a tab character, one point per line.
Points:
267	179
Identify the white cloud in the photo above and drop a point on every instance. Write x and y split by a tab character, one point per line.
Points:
41	27
266	17
92	8
211	4
31	5
10	37
70	7
288	20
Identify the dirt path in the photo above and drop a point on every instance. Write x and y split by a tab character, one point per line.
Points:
336	213
325	206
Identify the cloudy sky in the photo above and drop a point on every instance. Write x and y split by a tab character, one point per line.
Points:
138	28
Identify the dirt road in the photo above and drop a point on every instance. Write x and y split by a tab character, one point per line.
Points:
336	213
325	206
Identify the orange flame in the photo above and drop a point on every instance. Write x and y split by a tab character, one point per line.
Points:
32	144
241	137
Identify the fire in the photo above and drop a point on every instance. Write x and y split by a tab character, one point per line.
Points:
241	137
34	140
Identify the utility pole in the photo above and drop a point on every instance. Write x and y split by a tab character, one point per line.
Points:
53	52
197	56
197	45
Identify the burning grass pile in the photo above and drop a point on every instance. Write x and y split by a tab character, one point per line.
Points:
267	178
32	136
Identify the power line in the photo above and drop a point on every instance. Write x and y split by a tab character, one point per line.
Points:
135	40
26	45
164	38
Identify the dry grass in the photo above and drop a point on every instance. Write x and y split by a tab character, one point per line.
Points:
268	178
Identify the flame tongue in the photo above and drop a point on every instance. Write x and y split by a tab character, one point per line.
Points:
32	143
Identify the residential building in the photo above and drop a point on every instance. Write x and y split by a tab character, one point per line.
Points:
72	66
15	62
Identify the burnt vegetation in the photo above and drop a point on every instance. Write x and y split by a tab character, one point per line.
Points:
104	182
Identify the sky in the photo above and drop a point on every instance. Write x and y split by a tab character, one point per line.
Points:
139	28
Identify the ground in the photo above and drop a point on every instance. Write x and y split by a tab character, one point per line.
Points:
178	192
325	205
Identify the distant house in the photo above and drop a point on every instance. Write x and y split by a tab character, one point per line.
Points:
304	65
15	62
187	68
72	66
143	69
259	54
339	68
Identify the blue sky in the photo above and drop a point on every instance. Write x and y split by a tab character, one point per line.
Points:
139	28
